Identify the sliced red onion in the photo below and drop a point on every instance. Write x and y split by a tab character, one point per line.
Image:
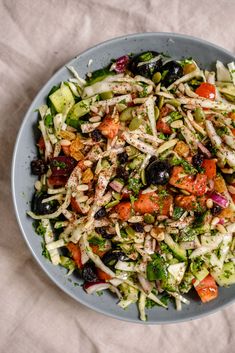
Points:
116	185
91	287
204	150
146	285
121	64
219	199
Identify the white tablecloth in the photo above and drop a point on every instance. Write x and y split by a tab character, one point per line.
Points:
36	38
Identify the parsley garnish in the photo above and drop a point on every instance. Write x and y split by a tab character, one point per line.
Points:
134	185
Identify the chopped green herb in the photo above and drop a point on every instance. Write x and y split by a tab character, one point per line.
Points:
97	241
134	185
38	227
162	136
132	199
99	293
58	164
222	131
45	252
177	213
188	168
156	269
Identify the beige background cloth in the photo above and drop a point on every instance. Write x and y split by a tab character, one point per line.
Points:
36	38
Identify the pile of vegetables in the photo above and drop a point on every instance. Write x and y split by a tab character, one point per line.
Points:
136	179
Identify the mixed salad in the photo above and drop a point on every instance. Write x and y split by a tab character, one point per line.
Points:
136	179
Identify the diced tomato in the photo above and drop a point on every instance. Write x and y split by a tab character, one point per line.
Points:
96	250
199	185
123	210
210	168
182	182
207	289
233	132
195	186
102	275
53	181
162	126
109	127
41	144
165	205
191	202
206	90
75	206
76	253
66	150
147	203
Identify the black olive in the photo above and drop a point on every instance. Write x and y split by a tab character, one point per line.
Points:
121	172
158	173
197	160
101	213
173	71
102	231
144	64
111	257
89	272
38	167
216	210
96	135
152	159
138	227
123	157
40	208
230	178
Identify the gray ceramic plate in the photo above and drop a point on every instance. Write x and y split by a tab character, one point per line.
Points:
175	45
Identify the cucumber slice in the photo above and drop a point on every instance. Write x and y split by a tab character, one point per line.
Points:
179	253
99	75
62	99
81	108
226	276
200	275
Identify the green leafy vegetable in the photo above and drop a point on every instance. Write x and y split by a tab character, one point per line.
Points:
156	269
